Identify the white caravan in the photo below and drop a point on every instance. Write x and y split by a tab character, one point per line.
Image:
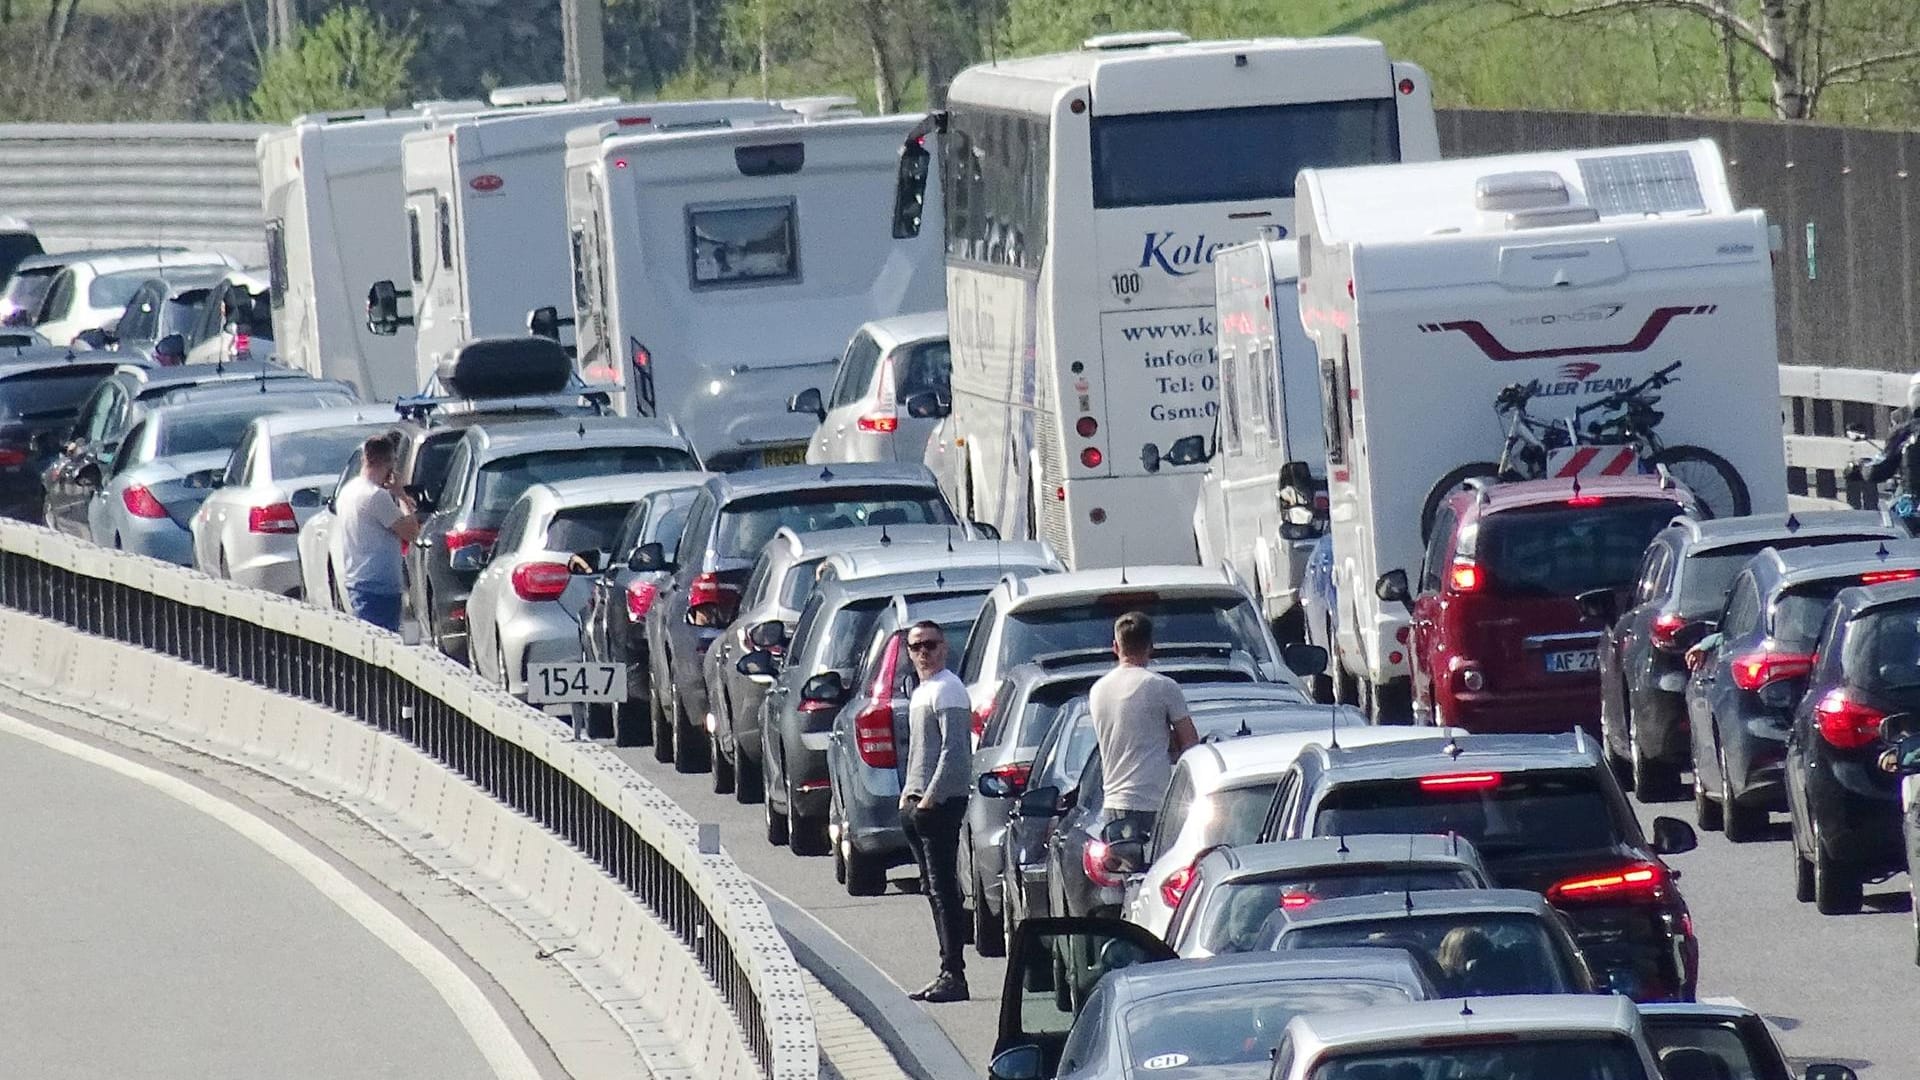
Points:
1428	289
493	186
1263	497
718	272
1087	195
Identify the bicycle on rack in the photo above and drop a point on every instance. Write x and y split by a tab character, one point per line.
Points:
1536	449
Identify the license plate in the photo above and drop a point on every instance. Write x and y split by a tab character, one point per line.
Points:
1576	661
783	455
567	684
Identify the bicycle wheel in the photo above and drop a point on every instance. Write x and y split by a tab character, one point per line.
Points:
1714	482
1446	487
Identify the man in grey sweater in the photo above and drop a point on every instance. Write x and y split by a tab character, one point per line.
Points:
933	799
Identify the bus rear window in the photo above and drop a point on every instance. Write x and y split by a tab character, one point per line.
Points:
1234	155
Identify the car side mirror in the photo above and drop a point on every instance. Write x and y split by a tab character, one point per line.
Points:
1303	659
1671	836
1039	802
470	559
1904	758
984	531
648	557
383	309
1821	1070
305	499
1188	450
771	634
995	786
808	401
88	477
826	686
1125	856
589	561
1599	605
928	405
418	493
1296	476
757	662
1898	726
1029	1063
1694	633
1392	587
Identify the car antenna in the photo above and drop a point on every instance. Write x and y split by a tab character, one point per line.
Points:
886	537
1883	551
1407	883
1793	523
1453	839
1244	729
1342	849
582	429
826	474
1576	487
1465	1008
1452	749
939	579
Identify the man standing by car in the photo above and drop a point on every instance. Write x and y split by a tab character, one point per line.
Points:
374	524
933	799
1141	724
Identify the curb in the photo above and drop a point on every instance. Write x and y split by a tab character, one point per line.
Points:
919	1043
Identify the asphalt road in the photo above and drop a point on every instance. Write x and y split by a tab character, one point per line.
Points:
144	938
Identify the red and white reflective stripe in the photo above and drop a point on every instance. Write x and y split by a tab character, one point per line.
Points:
1595	461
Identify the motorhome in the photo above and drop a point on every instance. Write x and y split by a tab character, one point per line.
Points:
1467	314
718	272
1088	194
1263	496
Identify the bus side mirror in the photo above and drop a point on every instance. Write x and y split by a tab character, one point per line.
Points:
910	188
383	309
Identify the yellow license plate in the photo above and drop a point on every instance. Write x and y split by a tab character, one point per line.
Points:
783	455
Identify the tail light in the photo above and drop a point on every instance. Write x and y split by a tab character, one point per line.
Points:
1755	670
1846	723
983	713
1294	901
11	456
1093	859
640	596
873	735
1584	500
1881	577
1460	782
465	538
1465	577
1087	427
141	503
1091	457
1633	883
277	518
1015	773
1174	889
709	589
541	580
1666	631
878	423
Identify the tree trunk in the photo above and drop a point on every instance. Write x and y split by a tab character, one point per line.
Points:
886	99
766	82
1790	96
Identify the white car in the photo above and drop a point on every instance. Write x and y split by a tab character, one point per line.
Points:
1219	794
87	294
889	391
283	471
525	606
1557	1036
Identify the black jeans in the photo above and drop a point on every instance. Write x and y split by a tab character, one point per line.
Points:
933	832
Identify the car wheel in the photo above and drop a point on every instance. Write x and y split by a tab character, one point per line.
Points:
1802	869
805	835
1346	688
861	873
723	778
689	742
1653	781
1743	823
1706	812
500	664
837	832
631	726
1836	889
749	783
599	720
989	937
776	823
1913	890
662	731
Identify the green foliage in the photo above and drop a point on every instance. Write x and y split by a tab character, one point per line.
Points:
349	60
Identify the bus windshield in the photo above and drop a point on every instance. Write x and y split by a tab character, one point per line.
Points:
1234	155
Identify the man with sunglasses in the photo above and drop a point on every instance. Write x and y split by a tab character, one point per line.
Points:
933	799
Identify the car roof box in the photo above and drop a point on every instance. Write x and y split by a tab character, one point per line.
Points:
506	367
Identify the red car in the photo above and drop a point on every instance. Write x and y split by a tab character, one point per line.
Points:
1498	640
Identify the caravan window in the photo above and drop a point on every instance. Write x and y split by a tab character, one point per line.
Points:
413	244
1230	401
742	244
277	262
443	217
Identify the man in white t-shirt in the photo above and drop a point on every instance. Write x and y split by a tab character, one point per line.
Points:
373	522
933	799
1141	724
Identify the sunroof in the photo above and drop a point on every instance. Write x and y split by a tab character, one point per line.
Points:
1661	182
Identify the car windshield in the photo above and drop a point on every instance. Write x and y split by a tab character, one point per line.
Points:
1503	814
1038	629
1882	652
49	395
201	432
1798	612
586	528
1567	550
1465	954
310	453
1237	911
504	480
746	525
25	290
1598	1057
1680	1042
1707	576
1186	1032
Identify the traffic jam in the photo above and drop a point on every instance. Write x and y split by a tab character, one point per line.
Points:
1437	507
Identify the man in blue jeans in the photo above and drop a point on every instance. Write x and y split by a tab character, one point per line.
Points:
374	521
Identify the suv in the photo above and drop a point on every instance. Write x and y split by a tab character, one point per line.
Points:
1546	814
1753	671
1498	641
732	519
40	394
1684	578
888	391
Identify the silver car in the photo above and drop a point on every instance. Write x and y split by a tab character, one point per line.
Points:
281	474
525	606
888	393
165	466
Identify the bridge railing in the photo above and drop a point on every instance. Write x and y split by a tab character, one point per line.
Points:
520	757
1819	405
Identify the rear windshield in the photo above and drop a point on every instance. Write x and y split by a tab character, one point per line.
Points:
1706	577
1719	1039
202	432
1882	652
923	369
1237	911
1201	1029
1237	814
1504	814
1466	955
1798	611
1042	706
116	290
1234	155
307	453
24	292
586	528
1038	630
747	525
52	395
504	480
1567	550
1598	1057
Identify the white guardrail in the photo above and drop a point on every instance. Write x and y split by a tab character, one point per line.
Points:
591	855
1819	404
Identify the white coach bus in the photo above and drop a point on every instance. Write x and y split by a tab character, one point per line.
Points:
1086	193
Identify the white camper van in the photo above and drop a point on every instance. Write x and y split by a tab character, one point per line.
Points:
1554	280
494	185
1263	497
718	272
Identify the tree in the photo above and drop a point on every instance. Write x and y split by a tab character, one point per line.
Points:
349	60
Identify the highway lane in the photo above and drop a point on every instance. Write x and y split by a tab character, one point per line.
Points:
143	937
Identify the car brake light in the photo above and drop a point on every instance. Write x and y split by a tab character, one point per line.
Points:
873	736
541	580
879	423
466	538
277	518
1294	901
1087	426
1879	577
1174	889
1584	500
141	503
1846	723
1464	577
1666	631
11	456
982	714
640	596
1484	781
709	589
1015	773
1635	882
1093	859
1755	670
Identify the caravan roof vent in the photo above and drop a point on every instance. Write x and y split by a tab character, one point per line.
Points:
1520	191
1547	217
832	106
1134	39
536	94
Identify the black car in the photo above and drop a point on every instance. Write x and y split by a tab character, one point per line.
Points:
732	518
1547	815
491	467
40	394
1752	672
1684	578
1843	789
613	627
